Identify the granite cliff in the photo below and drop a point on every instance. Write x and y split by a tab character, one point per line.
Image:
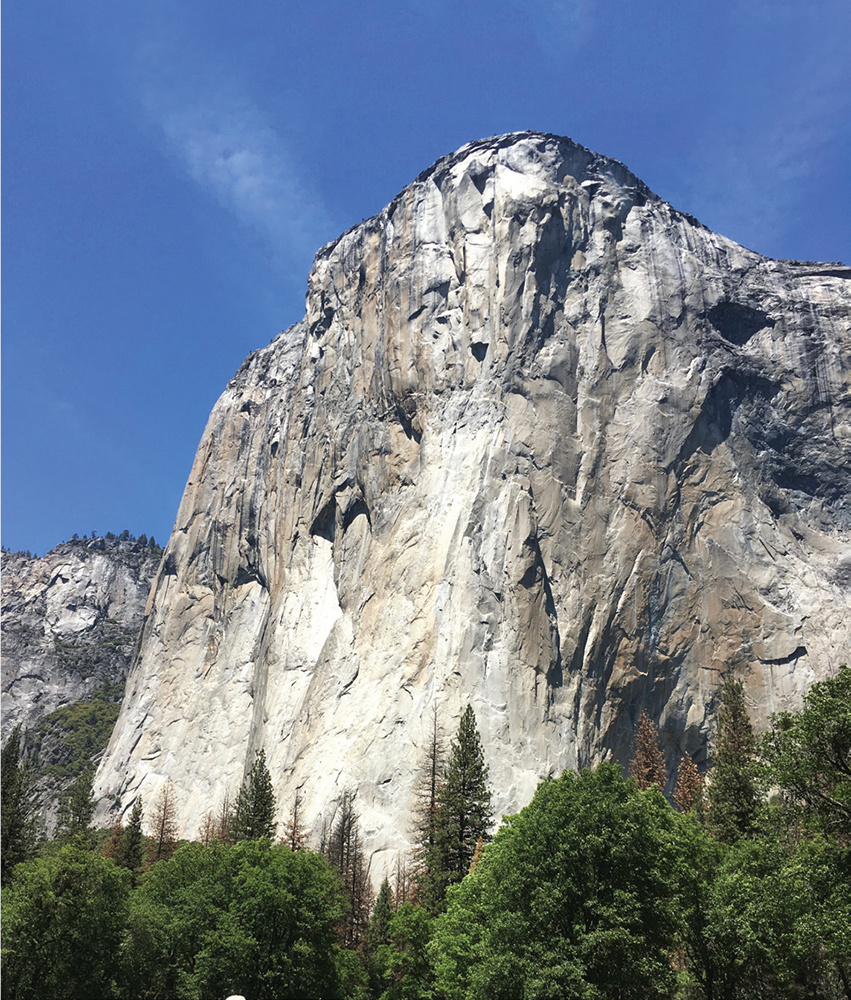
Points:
70	624
541	443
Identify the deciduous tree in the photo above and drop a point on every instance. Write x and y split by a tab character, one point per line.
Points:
576	897
63	921
809	754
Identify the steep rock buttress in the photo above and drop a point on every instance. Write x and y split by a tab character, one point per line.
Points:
541	443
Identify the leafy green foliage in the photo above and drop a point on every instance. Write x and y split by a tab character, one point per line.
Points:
19	821
247	918
809	754
775	922
63	920
254	813
576	897
75	734
408	973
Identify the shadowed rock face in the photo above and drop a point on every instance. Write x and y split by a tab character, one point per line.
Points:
541	443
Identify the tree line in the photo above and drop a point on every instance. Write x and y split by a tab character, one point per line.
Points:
599	888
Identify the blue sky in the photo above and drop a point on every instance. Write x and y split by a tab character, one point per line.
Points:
170	168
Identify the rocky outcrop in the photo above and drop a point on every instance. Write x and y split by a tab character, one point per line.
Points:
70	621
541	443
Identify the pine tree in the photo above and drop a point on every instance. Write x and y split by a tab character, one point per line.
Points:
295	836
19	821
131	846
377	939
224	820
427	858
110	848
404	888
76	808
733	789
344	852
648	761
689	783
254	815
464	807
207	829
163	826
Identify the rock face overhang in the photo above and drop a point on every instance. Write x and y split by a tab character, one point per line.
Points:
541	443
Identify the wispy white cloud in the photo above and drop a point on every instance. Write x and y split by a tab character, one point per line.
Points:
230	149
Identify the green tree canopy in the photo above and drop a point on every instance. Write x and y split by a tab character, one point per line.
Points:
809	753
576	897
247	918
63	920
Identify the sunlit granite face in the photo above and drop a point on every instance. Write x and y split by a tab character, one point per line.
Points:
542	444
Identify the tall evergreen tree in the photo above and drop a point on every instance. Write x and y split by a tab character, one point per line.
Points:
76	808
19	820
648	761
254	815
464	806
130	852
733	790
377	939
